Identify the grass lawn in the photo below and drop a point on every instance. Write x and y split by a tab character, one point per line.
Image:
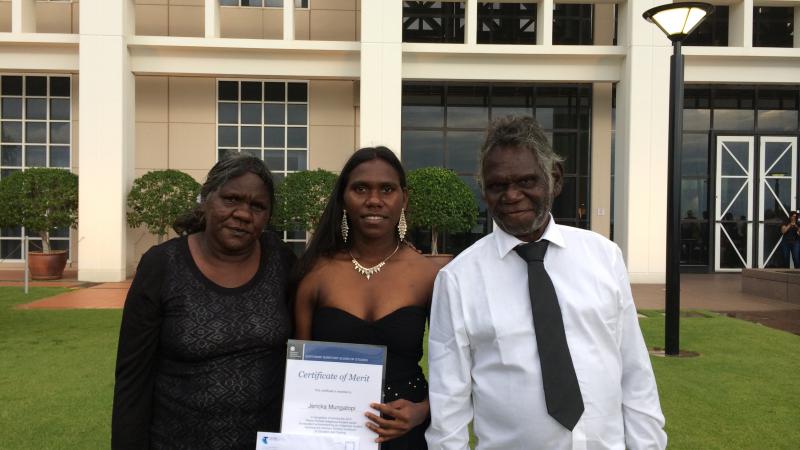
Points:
57	375
741	393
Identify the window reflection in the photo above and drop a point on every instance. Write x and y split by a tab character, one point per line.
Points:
462	151
696	119
694	160
733	119
422	149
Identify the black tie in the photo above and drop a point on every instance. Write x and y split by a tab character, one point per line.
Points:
561	391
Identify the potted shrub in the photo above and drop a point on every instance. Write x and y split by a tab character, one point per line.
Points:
159	197
301	198
41	200
441	202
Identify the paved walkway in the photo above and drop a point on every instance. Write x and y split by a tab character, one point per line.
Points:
714	292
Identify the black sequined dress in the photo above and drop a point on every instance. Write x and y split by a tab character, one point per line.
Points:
200	365
401	332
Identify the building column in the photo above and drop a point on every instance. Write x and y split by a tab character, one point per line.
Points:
23	16
641	152
544	22
740	24
106	130
471	22
288	20
211	24
796	27
381	78
602	129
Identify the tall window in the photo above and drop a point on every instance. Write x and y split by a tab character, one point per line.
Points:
35	131
773	26
263	3
433	22
268	120
444	125
506	23
572	24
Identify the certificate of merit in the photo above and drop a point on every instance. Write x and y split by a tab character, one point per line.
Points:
329	387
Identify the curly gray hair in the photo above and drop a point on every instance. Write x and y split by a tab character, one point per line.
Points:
522	132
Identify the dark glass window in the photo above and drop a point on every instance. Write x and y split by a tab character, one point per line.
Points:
11	85
773	26
35	131
713	31
572	24
433	22
36	86
734	109
777	109
445	124
506	23
264	119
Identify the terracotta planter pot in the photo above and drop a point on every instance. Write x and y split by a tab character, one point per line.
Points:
440	260
47	266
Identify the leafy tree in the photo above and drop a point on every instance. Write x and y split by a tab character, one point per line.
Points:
301	198
439	200
41	200
159	197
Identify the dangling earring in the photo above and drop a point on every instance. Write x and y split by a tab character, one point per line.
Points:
402	226
345	227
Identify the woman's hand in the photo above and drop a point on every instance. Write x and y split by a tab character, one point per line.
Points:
400	416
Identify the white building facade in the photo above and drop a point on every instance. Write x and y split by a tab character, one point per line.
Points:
112	89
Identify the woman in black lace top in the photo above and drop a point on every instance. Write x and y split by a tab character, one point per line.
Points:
201	350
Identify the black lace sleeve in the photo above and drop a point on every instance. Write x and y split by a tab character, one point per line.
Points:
137	353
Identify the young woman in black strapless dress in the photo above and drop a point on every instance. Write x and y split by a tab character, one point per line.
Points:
358	282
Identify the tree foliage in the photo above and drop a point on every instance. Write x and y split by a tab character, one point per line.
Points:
439	200
39	199
159	197
301	198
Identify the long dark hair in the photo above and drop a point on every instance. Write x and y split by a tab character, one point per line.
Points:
222	172
327	239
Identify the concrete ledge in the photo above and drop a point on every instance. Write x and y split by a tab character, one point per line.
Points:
780	284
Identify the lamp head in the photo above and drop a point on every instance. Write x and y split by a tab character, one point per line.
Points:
678	20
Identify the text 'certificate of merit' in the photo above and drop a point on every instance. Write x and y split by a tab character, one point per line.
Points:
329	387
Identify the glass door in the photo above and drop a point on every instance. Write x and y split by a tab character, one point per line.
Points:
733	216
777	195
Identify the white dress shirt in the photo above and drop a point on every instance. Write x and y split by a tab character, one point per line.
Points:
484	362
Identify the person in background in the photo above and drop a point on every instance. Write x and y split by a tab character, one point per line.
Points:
360	283
790	240
533	334
202	343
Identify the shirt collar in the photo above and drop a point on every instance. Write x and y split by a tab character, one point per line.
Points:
506	242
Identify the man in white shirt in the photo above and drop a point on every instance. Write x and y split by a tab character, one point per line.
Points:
486	365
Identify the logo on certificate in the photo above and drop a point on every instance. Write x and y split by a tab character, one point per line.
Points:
293	352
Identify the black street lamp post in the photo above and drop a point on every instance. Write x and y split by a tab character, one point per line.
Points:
677	21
